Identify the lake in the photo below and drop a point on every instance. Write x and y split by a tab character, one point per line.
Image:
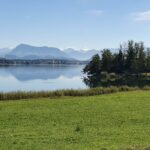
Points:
41	77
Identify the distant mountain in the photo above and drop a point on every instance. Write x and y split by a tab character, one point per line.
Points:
81	54
28	52
4	51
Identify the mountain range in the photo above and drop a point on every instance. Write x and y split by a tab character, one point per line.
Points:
28	52
80	54
4	51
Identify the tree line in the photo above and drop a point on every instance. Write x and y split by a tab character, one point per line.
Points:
131	58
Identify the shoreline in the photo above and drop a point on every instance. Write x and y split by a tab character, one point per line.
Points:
20	95
6	62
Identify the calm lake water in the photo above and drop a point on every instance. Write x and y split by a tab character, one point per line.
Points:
44	77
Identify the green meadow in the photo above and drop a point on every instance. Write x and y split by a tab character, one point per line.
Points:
119	121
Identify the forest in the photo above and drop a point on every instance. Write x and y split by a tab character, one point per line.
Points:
129	66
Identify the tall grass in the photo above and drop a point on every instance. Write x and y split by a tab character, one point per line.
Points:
60	93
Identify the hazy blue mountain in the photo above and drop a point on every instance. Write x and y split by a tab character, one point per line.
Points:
81	54
4	51
24	51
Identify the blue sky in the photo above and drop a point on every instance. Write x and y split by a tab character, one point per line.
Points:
80	24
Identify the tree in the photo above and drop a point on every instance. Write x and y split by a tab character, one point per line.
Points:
148	60
141	58
93	71
119	61
94	67
107	60
131	60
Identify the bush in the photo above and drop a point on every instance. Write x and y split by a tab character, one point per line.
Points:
60	93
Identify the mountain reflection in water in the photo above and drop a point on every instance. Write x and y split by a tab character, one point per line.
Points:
44	77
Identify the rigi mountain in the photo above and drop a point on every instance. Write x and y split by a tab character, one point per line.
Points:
28	52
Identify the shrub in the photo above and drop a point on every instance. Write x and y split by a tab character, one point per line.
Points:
59	93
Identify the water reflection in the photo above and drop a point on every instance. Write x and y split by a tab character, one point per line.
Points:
106	80
46	77
54	77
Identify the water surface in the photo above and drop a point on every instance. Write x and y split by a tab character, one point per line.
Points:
44	77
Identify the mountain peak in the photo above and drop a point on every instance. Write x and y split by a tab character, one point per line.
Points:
22	45
81	54
25	51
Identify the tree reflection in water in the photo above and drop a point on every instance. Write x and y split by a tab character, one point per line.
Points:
111	79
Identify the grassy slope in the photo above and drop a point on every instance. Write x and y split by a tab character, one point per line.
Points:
113	121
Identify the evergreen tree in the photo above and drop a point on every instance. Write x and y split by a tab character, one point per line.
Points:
93	72
107	60
141	58
119	62
148	61
131	58
134	61
94	67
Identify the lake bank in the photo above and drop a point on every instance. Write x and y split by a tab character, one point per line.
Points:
11	62
65	93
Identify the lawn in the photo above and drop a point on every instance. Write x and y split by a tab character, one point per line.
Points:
107	122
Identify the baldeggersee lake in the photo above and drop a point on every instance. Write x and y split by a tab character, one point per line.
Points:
41	77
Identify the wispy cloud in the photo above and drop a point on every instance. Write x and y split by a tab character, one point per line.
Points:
95	12
142	16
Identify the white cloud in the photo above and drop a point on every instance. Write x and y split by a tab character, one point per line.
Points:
142	16
95	12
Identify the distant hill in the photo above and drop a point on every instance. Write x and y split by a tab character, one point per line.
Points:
81	54
28	52
4	51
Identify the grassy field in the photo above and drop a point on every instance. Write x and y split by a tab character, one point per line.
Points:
107	122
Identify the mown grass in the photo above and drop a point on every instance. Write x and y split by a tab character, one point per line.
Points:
118	121
60	93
